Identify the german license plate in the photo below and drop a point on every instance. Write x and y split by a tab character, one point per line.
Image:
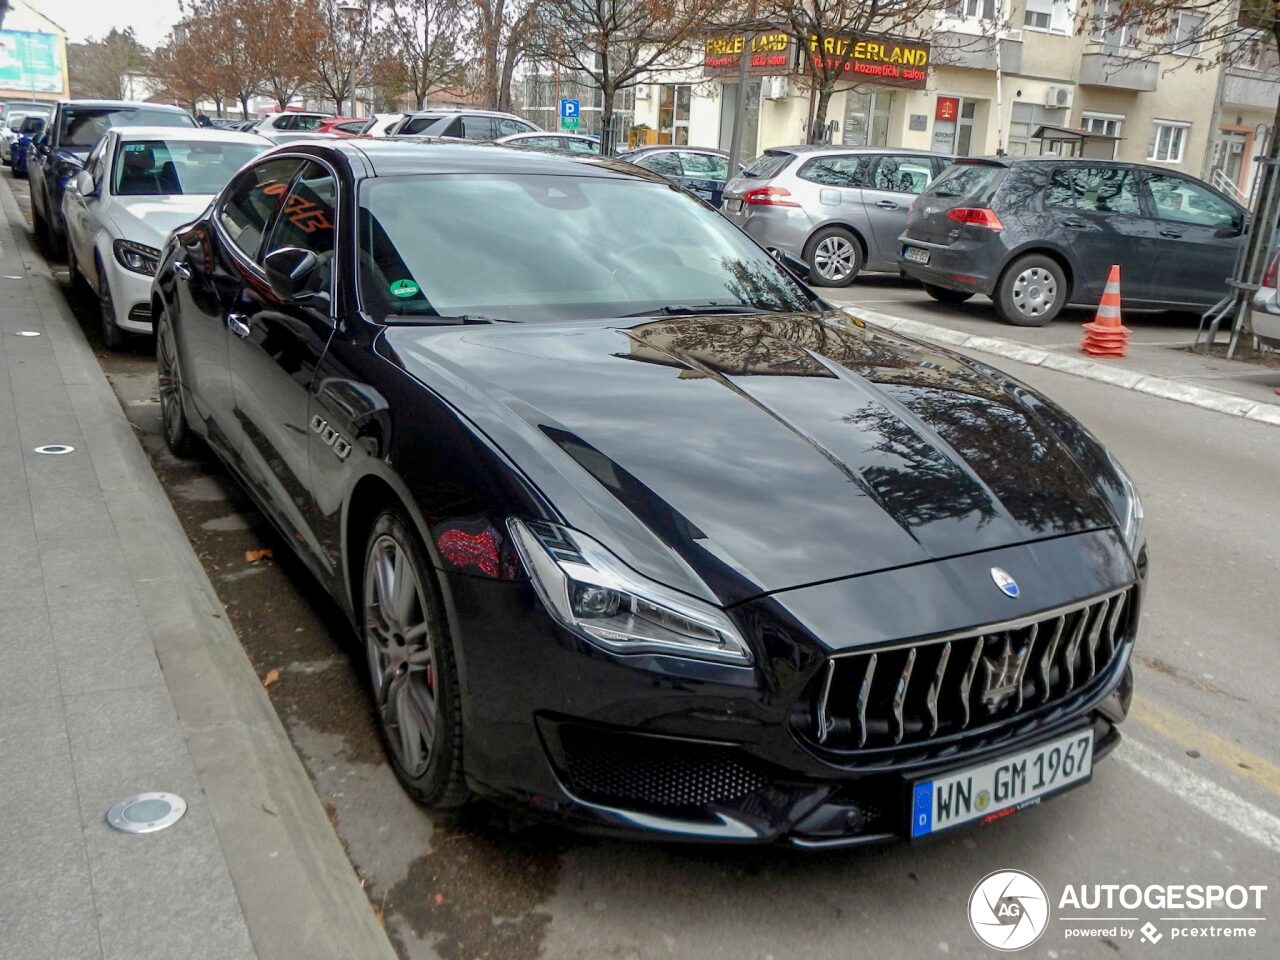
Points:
916	255
1007	784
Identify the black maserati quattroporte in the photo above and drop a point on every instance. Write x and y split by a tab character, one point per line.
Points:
635	531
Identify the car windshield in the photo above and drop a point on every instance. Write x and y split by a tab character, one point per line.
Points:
534	247
82	127
175	167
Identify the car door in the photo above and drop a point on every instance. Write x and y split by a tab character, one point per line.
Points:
1096	215
1197	235
894	183
704	174
273	352
215	263
838	182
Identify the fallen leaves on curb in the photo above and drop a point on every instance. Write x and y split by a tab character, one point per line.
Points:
272	676
253	556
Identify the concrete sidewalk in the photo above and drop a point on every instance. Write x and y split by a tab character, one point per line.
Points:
119	673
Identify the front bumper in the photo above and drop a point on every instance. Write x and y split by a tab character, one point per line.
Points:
1264	317
130	294
704	752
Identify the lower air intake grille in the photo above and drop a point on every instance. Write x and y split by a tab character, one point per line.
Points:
914	694
652	772
140	314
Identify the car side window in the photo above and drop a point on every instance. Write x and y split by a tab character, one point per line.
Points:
307	123
418	124
545	143
577	145
1094	190
1187	202
306	221
479	128
850	171
251	200
666	164
705	166
508	126
902	174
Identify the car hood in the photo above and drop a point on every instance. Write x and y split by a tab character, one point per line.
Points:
755	454
150	220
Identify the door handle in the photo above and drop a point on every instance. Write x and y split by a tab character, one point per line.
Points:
1075	223
180	269
1171	234
886	205
238	324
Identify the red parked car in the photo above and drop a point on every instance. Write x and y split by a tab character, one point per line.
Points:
344	126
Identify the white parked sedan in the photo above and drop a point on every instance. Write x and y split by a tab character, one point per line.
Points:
1265	316
138	184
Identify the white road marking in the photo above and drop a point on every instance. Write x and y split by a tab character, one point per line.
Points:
1211	799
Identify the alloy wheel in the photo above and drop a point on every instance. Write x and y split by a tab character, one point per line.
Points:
401	644
170	380
1035	292
833	258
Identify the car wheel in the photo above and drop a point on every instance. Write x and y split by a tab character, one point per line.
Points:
112	336
834	257
79	284
412	672
943	295
1032	291
173	416
40	228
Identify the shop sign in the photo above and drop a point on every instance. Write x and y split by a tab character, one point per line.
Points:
947	108
772	53
871	59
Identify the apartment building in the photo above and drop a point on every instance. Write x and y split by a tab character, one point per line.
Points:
1023	76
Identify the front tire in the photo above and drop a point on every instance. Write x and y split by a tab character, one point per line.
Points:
1031	292
112	336
943	295
834	256
173	416
413	675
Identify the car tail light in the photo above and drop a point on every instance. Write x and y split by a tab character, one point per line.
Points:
978	216
768	197
1269	278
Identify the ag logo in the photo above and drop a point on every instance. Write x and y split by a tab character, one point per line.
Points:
1008	910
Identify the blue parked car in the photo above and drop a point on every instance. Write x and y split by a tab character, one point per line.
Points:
699	170
60	153
31	130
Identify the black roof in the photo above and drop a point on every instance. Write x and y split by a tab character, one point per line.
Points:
398	156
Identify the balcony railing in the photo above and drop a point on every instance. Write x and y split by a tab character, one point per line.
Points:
974	51
1250	88
1103	65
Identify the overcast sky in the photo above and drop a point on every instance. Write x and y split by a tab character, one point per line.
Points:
150	19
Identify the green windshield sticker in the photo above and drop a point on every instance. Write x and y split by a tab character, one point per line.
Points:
404	289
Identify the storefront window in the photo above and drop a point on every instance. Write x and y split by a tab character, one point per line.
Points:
750	120
866	118
673	113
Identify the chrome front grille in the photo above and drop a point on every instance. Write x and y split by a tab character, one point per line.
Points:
914	693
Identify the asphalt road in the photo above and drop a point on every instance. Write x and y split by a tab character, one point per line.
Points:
1191	797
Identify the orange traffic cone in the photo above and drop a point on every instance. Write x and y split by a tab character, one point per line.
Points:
1106	336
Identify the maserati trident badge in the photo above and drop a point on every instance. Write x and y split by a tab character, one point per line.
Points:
1008	586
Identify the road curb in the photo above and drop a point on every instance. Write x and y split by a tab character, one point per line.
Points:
1204	397
297	890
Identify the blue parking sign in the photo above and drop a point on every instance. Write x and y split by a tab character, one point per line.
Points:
568	109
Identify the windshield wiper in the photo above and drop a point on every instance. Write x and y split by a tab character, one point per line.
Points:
467	318
699	309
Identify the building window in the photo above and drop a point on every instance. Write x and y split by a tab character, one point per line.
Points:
1168	140
673	113
1113	36
972	9
1056	16
1187	30
1106	124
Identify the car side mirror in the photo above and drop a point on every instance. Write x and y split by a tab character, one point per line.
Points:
289	270
84	184
792	264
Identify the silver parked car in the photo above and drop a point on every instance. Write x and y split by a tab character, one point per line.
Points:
840	209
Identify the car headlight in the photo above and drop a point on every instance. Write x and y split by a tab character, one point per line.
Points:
1132	516
590	591
137	257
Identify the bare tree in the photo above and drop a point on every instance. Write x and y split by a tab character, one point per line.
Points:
500	31
419	43
97	68
339	44
618	43
281	31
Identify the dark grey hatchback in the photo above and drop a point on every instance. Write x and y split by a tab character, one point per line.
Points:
1035	234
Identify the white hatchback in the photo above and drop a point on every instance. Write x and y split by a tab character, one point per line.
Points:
1265	314
138	184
